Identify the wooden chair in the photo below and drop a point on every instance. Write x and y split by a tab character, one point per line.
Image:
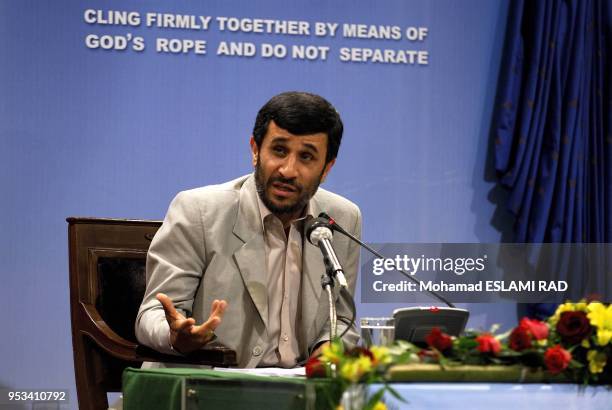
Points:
107	284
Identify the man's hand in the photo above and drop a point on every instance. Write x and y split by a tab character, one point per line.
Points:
185	335
319	350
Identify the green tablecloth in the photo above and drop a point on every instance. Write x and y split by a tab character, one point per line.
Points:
188	388
147	389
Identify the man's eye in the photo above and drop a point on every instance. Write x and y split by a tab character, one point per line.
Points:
307	157
278	150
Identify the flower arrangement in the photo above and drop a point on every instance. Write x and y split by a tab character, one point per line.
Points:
354	369
575	343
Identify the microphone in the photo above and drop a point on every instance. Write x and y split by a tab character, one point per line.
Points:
319	233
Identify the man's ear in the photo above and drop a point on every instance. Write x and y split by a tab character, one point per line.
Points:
327	168
254	151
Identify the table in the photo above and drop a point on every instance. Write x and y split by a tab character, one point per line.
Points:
500	396
179	388
188	388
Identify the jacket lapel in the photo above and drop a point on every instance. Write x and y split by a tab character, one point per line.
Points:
250	258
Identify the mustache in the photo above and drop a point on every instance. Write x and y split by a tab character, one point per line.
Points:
286	181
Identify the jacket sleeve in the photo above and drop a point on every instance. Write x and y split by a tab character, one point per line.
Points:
175	263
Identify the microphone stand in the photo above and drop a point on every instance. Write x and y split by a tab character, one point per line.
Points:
319	233
327	282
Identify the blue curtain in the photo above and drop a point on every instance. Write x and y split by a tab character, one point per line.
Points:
553	144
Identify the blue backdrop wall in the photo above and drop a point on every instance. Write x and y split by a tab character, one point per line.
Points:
94	132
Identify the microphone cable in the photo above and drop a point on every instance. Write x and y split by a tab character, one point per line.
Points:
334	225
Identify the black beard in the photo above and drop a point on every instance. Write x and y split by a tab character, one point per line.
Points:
300	203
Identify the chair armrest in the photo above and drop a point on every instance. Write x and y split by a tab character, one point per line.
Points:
213	354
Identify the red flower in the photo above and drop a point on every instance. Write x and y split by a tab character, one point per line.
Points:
537	329
315	368
428	356
488	344
441	341
573	327
520	339
557	359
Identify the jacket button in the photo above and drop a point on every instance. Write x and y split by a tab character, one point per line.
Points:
257	351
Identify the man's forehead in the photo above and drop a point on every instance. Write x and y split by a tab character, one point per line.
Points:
277	134
310	140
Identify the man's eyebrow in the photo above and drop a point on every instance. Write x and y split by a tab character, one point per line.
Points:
285	140
312	147
279	139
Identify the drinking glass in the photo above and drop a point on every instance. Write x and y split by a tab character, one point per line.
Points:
377	331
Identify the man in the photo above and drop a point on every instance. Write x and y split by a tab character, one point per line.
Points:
231	260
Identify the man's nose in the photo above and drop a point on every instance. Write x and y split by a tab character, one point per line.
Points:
288	168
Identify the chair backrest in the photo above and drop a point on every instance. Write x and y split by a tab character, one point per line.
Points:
107	284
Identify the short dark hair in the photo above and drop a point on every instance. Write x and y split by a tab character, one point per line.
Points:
301	113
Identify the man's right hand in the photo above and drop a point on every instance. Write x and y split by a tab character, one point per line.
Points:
185	335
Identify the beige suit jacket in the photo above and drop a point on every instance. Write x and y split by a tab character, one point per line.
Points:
211	246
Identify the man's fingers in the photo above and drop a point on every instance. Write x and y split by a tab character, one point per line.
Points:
206	331
211	323
169	309
216	316
208	326
187	326
183	325
218	308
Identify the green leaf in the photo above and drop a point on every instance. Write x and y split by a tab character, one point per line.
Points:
574	364
394	393
375	398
